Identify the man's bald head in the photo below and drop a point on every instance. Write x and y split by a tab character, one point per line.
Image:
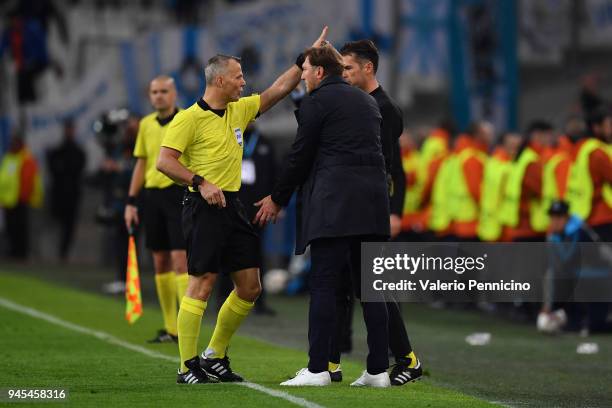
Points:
162	94
163	79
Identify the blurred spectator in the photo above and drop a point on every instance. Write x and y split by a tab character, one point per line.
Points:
114	178
497	168
189	82
43	11
437	143
187	11
557	165
599	124
25	38
433	159
523	210
589	188
469	156
66	163
575	128
413	223
590	99
20	189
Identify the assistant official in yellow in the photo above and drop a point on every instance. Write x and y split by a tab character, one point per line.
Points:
208	136
162	199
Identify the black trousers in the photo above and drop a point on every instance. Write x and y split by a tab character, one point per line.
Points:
329	256
399	342
604	231
598	312
17	222
67	219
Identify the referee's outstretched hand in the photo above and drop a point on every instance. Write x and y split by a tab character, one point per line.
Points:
212	194
322	40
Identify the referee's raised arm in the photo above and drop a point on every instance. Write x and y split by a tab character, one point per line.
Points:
288	80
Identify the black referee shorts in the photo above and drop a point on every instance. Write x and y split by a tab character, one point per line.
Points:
218	239
162	218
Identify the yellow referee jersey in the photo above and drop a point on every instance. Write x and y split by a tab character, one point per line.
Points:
151	132
211	141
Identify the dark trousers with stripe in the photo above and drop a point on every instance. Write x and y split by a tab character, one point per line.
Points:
329	257
598	312
399	342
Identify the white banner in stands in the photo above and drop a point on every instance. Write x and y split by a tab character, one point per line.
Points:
597	30
97	92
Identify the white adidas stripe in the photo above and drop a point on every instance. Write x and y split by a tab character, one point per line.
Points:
109	338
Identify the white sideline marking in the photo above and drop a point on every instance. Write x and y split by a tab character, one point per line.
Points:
143	350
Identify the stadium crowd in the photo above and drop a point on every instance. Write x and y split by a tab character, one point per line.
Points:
465	187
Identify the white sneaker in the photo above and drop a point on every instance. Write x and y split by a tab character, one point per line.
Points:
305	377
368	380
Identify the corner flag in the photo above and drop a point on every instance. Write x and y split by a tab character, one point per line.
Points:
133	306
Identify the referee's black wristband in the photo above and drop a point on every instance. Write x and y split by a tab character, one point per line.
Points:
196	181
131	200
300	60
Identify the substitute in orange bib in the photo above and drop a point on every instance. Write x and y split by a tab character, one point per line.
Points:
413	216
497	168
524	210
557	165
20	189
437	144
434	202
466	173
589	189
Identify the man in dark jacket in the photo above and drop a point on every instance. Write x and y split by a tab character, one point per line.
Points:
360	59
66	166
336	162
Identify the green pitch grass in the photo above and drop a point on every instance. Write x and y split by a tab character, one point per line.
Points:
37	353
520	367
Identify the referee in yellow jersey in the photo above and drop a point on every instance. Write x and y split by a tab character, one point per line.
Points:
209	137
162	215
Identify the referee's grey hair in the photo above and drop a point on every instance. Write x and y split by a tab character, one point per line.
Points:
216	66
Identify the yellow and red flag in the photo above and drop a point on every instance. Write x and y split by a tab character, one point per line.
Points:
133	306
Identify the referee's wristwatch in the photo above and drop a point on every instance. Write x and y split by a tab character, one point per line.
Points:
196	181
